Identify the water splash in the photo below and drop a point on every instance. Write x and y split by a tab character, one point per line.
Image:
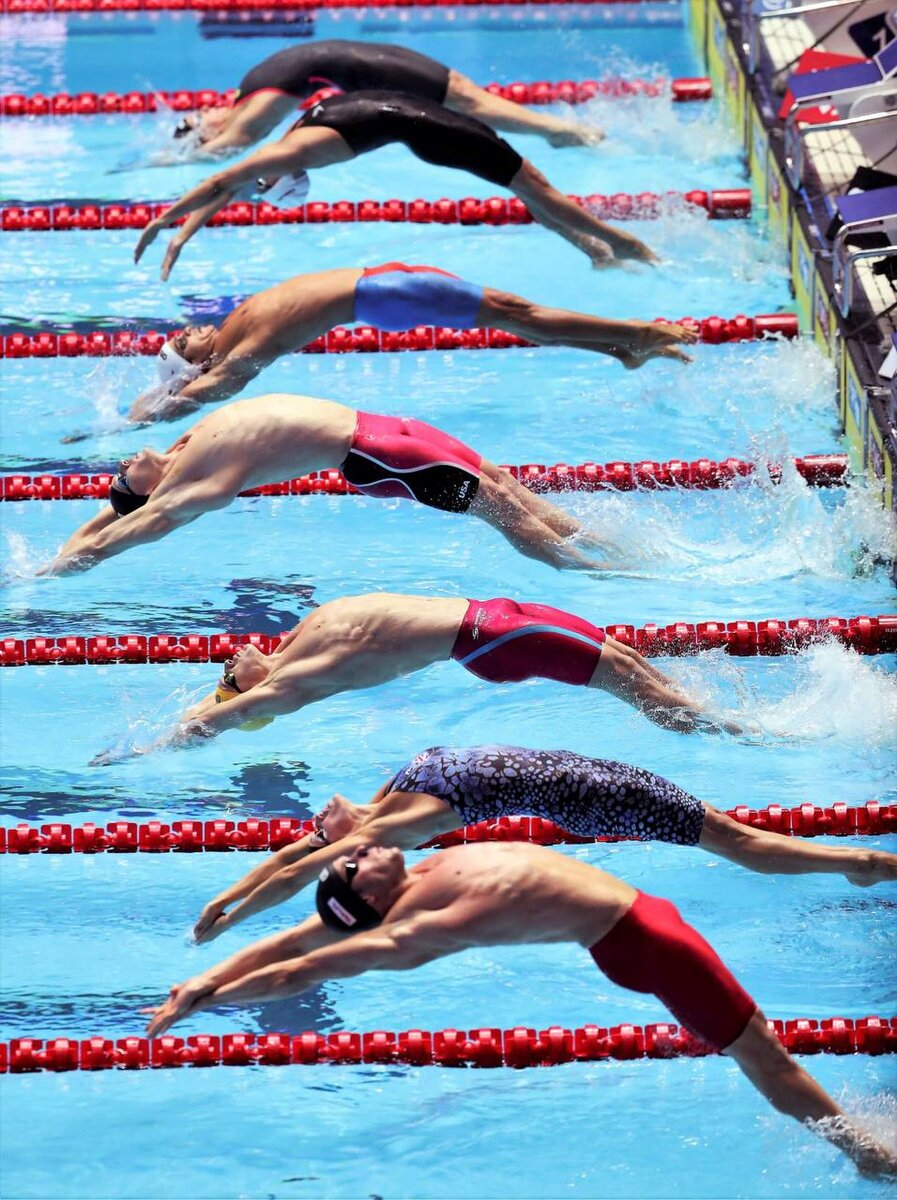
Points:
833	693
759	531
651	126
145	734
22	561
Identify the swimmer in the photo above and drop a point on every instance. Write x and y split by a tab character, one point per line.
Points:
342	127
364	641
374	915
208	363
269	93
271	438
444	789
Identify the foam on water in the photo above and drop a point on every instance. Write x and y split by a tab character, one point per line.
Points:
763	530
655	127
144	733
832	692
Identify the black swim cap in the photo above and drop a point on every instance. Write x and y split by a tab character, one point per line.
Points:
122	499
340	908
185	126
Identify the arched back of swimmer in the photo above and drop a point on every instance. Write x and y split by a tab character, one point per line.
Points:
268	93
444	789
340	128
501	894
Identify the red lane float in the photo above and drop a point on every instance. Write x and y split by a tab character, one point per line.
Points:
88	104
364	339
744	639
222	836
519	1047
819	470
14	7
494	210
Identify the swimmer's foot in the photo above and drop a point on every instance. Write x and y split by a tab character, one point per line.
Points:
633	359
656	339
873	866
576	135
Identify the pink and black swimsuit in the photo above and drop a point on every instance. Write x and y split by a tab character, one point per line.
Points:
506	642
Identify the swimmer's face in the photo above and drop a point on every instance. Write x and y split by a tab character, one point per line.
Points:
248	667
380	870
202	126
196	343
336	819
143	470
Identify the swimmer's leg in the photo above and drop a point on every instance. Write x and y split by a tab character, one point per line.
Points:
625	673
790	1089
552	516
465	96
499	504
774	854
632	342
600	241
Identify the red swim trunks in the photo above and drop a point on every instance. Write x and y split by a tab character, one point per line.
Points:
411	460
651	949
506	642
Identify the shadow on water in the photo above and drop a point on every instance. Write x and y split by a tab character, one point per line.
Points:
47	1015
268	789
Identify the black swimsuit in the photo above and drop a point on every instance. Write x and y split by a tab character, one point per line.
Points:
590	797
369	120
350	66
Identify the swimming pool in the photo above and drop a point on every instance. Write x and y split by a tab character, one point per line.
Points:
88	941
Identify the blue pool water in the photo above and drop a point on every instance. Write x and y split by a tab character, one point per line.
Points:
86	942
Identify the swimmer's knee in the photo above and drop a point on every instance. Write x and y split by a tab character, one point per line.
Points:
530	178
505	306
462	93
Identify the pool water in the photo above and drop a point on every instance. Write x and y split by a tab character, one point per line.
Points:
86	942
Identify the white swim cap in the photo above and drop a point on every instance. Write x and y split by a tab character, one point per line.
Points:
287	191
173	367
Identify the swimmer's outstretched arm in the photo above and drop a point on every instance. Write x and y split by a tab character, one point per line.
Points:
148	524
135	529
274	883
81	538
395	946
278	947
220	382
217	191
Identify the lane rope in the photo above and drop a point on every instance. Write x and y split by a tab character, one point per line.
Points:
703	474
14	7
365	339
88	104
718	203
520	1046
745	639
262	834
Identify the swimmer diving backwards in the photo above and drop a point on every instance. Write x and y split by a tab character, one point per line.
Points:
269	92
271	438
443	789
208	363
376	915
365	641
342	127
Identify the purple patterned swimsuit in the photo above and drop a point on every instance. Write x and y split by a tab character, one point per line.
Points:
591	797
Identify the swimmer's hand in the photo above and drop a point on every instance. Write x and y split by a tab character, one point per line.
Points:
171	256
629	248
212	922
104	759
68	564
149	235
183	999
